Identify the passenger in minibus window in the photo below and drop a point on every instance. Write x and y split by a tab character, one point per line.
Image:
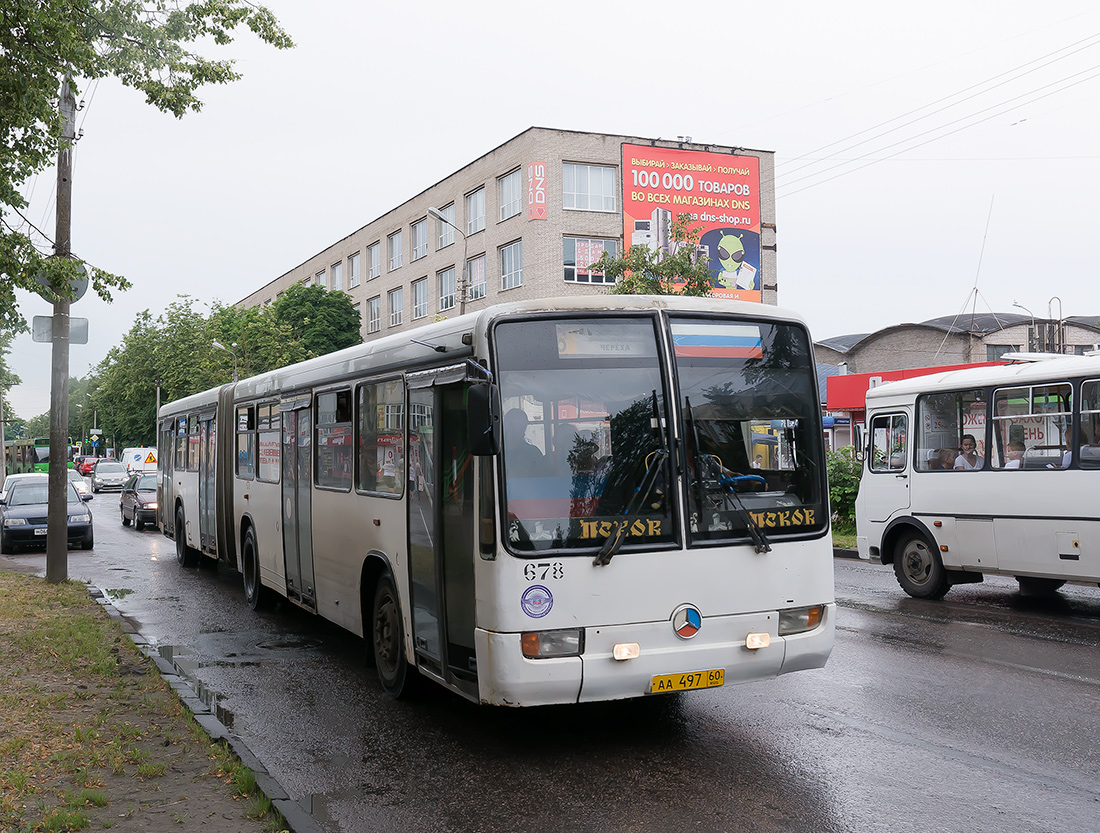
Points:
1014	453
969	459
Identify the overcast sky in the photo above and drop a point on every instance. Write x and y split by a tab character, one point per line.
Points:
983	117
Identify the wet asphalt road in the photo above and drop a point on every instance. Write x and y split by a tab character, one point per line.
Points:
978	713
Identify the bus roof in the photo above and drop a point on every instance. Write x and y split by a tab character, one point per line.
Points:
1022	373
393	353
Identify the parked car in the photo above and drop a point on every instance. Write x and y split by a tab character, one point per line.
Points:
12	479
77	479
23	516
139	501
107	474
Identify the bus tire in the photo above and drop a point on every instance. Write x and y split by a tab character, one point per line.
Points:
254	594
918	567
388	641
1033	586
185	555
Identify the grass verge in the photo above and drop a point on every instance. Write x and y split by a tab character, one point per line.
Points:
91	735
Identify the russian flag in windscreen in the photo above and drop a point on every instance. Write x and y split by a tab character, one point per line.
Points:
717	341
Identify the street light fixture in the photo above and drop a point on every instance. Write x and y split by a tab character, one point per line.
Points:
435	212
1031	340
230	349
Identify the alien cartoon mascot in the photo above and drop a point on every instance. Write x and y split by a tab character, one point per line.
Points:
731	256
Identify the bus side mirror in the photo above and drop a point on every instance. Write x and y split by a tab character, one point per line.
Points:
483	420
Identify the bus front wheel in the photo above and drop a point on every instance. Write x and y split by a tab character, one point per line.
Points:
919	569
388	640
185	555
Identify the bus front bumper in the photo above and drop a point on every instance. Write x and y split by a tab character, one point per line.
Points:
508	678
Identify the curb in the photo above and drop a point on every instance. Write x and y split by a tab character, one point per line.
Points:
842	552
296	818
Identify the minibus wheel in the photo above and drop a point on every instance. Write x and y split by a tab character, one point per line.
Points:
919	569
388	640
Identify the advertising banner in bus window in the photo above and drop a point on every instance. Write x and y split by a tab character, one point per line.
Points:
720	191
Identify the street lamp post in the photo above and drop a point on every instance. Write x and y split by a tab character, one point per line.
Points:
435	212
230	349
1031	336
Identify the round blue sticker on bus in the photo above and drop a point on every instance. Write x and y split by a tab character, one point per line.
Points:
536	601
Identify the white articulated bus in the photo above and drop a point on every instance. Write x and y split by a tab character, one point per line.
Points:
543	502
987	470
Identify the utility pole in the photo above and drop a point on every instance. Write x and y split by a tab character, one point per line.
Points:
57	515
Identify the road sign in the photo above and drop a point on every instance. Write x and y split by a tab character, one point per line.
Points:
42	329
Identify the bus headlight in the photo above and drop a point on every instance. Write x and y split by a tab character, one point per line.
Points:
800	619
545	644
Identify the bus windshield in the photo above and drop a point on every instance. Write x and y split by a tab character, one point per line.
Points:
585	436
748	397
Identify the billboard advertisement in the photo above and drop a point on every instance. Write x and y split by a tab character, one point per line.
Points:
720	191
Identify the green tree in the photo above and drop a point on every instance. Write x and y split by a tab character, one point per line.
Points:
641	270
323	321
149	46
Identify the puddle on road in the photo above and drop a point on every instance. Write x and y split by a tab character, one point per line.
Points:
183	660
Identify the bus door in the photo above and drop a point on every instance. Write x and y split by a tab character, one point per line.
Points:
297	478
208	531
887	466
441	530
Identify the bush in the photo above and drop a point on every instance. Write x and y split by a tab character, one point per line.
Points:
844	472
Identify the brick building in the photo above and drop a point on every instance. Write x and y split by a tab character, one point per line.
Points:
530	216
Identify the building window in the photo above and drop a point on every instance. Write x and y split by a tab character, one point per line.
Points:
374	260
511	265
420	298
475	278
445	231
511	199
374	314
420	239
580	253
358	312
319	278
337	272
446	289
475	211
993	352
393	243
588	187
353	270
397	303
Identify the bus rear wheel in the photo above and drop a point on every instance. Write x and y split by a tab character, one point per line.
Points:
185	555
388	640
1033	586
919	569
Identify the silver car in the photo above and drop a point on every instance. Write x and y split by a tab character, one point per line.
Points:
108	474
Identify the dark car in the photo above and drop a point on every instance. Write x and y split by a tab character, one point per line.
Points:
108	474
139	501
23	514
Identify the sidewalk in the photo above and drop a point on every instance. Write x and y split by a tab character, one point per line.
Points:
99	731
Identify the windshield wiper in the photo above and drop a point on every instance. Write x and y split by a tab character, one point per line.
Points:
728	484
644	489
